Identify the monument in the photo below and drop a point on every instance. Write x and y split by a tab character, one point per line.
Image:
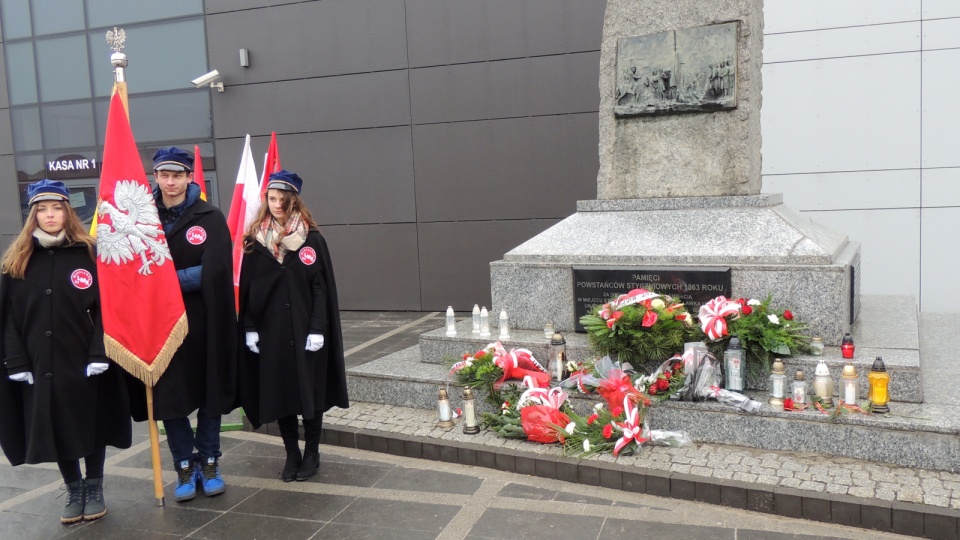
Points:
678	186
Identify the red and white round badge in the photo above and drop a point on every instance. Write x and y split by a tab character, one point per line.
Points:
81	278
196	235
308	255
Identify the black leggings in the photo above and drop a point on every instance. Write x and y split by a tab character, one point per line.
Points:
290	433
70	469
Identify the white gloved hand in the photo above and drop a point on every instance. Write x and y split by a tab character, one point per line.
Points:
252	339
25	376
314	342
96	368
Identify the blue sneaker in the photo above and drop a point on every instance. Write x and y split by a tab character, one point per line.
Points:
209	476
186	481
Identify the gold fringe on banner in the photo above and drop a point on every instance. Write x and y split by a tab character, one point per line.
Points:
135	366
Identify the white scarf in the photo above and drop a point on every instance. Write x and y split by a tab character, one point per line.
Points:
48	240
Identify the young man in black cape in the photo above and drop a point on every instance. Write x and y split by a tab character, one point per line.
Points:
202	374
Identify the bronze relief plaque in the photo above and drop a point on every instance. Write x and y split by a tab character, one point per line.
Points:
688	70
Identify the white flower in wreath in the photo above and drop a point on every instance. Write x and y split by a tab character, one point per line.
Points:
753	302
773	319
586	445
657	303
570	427
598	407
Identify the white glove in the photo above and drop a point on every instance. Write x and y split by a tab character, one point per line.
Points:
25	376
96	368
314	342
252	339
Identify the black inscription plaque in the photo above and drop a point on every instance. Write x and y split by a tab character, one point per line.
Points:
694	286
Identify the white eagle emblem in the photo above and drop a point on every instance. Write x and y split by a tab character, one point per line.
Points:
133	229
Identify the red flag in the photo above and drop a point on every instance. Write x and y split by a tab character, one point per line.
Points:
243	210
144	321
271	164
198	172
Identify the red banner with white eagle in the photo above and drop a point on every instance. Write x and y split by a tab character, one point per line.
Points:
144	320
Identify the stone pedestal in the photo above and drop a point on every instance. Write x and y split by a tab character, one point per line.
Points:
770	249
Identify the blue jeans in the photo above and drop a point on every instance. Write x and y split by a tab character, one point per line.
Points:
182	440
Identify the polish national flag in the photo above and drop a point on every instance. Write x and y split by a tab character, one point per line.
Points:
243	210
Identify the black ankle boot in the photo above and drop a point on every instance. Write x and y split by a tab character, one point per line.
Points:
309	465
292	465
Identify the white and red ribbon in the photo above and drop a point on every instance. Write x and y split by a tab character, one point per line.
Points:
460	365
633	297
632	427
713	316
553	397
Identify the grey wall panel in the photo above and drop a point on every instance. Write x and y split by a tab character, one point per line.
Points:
376	266
6	132
325	104
350	177
505	169
317	39
455	257
220	6
9	198
506	88
453	31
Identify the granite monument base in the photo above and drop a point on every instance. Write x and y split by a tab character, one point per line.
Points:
770	249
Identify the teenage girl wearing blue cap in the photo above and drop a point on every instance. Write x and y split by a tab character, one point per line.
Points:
290	317
59	400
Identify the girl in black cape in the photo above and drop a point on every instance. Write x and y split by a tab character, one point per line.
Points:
60	400
290	317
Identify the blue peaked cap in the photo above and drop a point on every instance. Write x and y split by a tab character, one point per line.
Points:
172	159
285	180
47	190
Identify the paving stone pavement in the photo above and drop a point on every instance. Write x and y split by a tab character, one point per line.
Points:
811	472
365	495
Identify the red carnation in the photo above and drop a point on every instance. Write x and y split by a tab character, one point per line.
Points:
479	354
663	384
617	411
680	316
652	390
787	315
742	301
787	404
607	431
747	310
593	418
668	374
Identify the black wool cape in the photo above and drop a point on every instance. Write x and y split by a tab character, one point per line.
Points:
285	303
203	370
52	328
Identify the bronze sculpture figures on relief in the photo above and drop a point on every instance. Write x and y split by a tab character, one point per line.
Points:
687	70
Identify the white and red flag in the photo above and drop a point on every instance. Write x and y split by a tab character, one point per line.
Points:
144	321
243	210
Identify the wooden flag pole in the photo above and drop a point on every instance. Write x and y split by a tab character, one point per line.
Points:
119	61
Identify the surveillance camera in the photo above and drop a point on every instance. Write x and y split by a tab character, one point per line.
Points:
205	79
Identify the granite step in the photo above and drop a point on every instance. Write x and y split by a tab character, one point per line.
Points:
913	435
874	334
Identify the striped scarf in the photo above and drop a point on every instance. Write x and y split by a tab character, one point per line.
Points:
280	239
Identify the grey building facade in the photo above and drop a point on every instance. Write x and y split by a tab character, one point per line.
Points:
432	135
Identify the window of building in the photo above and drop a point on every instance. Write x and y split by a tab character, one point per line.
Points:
59	80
